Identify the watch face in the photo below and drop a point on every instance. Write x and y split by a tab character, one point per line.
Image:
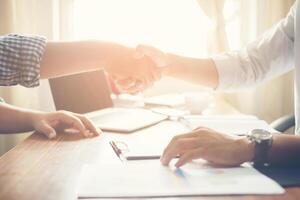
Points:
260	134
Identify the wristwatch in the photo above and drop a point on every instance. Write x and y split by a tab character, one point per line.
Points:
262	140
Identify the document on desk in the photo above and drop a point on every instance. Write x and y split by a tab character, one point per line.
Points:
231	126
151	179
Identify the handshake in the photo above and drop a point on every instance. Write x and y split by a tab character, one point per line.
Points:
137	69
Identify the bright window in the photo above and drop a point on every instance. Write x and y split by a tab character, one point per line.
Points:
173	25
177	26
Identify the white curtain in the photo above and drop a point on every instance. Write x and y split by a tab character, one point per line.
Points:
274	98
269	100
216	42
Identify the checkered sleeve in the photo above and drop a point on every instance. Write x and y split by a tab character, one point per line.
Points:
20	58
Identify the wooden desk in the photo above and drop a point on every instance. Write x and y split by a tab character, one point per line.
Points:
49	169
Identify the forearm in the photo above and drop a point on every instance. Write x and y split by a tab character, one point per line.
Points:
198	71
285	150
15	120
63	58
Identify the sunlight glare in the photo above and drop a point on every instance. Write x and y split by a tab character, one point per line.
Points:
178	26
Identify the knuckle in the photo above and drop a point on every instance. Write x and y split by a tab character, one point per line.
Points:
175	138
62	113
201	131
200	128
83	117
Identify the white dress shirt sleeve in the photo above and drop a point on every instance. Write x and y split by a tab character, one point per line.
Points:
267	57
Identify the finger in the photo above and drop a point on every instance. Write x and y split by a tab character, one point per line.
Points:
179	147
189	156
126	83
145	71
141	51
172	150
138	54
89	124
130	85
73	121
47	130
134	89
168	153
182	136
143	84
147	51
155	54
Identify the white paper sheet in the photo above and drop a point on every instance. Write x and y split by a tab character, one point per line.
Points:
231	126
151	179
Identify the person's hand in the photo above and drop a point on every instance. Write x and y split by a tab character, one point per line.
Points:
214	147
145	55
125	66
131	86
157	56
48	123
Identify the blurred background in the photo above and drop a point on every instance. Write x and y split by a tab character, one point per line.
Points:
197	28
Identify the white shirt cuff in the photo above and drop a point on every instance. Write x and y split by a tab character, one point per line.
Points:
228	70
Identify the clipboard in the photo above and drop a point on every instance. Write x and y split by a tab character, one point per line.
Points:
122	150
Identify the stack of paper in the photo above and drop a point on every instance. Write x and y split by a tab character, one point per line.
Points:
151	179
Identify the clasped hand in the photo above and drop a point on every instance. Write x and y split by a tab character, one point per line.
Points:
146	68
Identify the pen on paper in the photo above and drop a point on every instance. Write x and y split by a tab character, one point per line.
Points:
122	157
116	149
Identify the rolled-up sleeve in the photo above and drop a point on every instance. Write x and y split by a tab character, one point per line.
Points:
269	56
20	58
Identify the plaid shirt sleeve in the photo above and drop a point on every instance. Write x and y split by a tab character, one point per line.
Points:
20	58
